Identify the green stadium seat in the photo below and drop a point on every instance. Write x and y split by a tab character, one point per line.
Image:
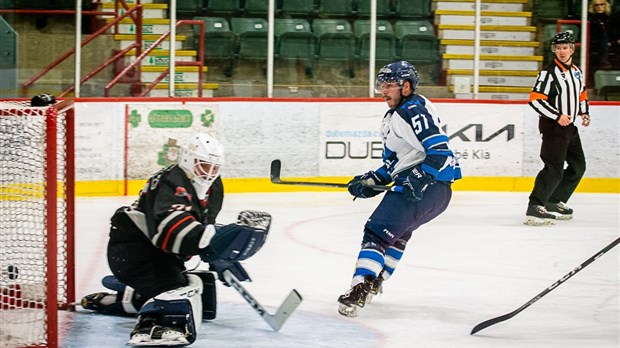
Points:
607	82
294	39
335	39
298	7
549	10
220	41
189	8
412	8
7	4
385	40
255	7
340	8
252	34
418	44
417	41
222	7
34	4
384	8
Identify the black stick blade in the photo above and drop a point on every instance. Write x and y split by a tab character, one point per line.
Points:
490	322
276	166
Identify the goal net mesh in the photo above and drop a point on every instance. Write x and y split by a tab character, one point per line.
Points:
33	223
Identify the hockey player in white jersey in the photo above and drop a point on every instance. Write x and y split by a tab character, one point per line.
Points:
416	156
151	240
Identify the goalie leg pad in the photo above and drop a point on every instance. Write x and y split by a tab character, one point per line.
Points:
179	308
209	294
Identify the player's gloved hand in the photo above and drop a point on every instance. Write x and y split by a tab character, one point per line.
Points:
357	186
219	266
415	184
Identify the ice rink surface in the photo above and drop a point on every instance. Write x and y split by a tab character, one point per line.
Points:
475	262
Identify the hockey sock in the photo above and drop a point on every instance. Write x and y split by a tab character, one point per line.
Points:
392	257
370	261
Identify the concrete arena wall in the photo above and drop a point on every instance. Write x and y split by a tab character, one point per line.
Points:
319	139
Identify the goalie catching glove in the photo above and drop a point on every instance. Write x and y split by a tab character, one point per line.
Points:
223	246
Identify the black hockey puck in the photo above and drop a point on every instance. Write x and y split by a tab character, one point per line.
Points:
13	272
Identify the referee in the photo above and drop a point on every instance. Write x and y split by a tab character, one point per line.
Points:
558	96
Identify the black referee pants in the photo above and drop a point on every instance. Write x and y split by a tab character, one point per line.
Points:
555	183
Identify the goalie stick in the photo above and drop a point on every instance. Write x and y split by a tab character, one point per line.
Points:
501	318
275	320
276	166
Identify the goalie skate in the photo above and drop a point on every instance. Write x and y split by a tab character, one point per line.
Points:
158	336
93	301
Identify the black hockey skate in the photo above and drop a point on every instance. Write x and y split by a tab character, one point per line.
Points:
355	298
94	301
376	289
560	210
537	215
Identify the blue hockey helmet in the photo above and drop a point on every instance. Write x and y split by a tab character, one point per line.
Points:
400	72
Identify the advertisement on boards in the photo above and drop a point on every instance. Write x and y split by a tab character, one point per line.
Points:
155	132
488	143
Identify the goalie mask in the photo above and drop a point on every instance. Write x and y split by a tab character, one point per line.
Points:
201	160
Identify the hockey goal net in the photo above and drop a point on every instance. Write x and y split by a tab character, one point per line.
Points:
36	221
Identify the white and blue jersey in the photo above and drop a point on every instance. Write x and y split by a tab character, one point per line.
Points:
412	136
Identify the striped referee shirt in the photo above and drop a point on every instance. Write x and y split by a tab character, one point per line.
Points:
559	90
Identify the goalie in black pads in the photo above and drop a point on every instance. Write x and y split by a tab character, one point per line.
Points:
167	225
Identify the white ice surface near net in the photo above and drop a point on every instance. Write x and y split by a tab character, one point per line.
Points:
475	262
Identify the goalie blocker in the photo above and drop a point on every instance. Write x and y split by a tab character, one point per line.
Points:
225	245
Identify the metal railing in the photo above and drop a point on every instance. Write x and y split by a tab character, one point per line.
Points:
136	64
135	13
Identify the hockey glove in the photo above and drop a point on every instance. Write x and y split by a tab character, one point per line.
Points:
416	183
357	186
232	242
219	266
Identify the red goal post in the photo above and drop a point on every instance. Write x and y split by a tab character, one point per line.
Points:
37	206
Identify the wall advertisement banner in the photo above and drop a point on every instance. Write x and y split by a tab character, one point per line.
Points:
487	145
155	131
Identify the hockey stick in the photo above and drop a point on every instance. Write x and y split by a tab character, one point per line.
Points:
501	318
275	320
276	167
